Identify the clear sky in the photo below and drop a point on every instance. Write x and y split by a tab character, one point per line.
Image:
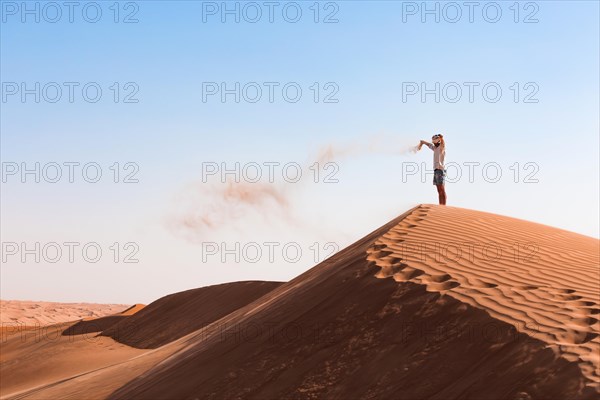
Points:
369	74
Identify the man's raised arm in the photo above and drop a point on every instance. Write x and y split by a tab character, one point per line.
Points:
423	142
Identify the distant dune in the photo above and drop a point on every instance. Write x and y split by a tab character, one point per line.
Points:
37	357
41	313
176	315
440	303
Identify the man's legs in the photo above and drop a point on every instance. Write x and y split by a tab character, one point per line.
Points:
438	180
441	194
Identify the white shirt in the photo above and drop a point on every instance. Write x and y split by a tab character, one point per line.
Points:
439	154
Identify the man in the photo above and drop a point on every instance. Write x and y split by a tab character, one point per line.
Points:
439	171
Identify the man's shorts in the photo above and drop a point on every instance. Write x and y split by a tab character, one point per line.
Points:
438	176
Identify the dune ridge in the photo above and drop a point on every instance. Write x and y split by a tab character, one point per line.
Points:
178	314
542	280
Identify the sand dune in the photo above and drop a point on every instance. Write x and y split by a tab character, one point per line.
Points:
543	281
35	357
42	313
42	356
33	352
132	310
399	314
100	324
178	314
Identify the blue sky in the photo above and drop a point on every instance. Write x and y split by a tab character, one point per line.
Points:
368	55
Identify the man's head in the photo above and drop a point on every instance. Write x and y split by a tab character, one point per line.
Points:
437	139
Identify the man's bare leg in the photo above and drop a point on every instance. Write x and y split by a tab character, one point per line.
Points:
441	194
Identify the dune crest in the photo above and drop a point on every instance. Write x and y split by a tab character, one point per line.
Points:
177	314
542	280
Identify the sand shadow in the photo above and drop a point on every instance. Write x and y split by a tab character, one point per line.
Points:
93	325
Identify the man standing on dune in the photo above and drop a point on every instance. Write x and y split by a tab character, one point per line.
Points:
439	171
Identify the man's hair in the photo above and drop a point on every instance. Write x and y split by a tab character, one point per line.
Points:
441	137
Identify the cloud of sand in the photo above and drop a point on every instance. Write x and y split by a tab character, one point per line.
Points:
205	207
374	144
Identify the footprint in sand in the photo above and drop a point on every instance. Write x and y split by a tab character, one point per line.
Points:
440	278
566	291
577	337
407	274
441	286
571	297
